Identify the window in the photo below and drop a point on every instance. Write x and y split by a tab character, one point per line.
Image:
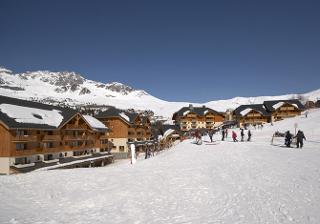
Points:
38	116
47	145
21	132
20	146
121	148
104	141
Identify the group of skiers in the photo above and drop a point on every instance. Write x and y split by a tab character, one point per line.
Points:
224	132
299	137
234	136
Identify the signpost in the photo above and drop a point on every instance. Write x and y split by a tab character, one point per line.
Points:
295	128
133	153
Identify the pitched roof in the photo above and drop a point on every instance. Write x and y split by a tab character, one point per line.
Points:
244	109
201	111
34	116
128	117
95	123
273	105
166	127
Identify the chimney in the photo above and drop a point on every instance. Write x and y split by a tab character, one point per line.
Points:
190	106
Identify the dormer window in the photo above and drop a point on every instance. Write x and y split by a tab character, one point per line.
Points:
37	116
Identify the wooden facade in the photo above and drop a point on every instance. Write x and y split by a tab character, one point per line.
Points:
253	118
26	144
310	104
197	118
252	114
285	111
74	135
269	111
136	130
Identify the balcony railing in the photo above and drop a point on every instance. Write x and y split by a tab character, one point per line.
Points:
25	138
51	138
77	138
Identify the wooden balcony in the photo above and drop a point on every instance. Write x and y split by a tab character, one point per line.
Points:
25	138
53	138
77	138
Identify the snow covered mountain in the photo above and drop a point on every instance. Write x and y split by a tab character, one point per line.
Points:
73	89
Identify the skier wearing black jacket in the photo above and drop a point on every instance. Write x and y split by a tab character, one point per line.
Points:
300	136
242	134
288	139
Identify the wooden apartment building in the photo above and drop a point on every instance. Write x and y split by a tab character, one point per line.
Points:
188	118
126	128
269	111
35	135
253	114
281	109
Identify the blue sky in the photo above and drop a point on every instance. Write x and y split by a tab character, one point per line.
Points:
176	50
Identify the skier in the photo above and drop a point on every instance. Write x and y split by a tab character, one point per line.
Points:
223	134
234	136
288	139
249	136
198	137
300	136
146	153
242	134
210	134
226	132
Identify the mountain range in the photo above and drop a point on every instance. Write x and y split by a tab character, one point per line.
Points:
72	89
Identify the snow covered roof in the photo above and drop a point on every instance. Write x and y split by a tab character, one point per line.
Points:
201	111
278	105
114	112
186	112
124	116
273	105
245	109
94	123
16	113
168	132
32	115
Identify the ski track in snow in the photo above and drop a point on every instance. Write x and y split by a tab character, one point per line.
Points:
244	182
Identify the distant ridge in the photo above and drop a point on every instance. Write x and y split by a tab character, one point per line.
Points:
73	89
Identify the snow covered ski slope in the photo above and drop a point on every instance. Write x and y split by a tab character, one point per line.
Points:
244	182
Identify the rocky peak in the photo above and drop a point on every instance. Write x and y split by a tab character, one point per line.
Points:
119	87
4	70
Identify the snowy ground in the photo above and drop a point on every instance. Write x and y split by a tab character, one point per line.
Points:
223	183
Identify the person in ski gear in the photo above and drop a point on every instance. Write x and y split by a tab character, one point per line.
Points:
242	134
234	136
223	134
288	139
210	134
300	136
249	136
198	137
226	133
